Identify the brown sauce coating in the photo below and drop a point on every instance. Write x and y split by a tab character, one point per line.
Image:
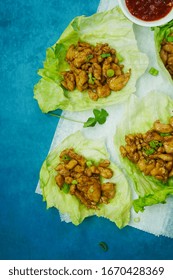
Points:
166	54
83	179
152	151
95	69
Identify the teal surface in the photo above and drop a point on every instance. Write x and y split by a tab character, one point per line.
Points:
27	229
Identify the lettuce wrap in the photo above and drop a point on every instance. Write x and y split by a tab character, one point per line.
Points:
106	27
117	210
161	33
139	118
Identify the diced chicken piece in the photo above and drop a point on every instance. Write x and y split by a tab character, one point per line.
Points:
71	164
103	91
168	145
164	56
69	81
59	180
108	190
117	83
162	128
81	80
71	53
168	48
105	172
104	163
93	95
94	192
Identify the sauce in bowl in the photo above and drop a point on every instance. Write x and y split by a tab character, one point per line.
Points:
149	10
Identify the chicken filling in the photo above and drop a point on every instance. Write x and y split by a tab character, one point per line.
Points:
96	69
152	151
166	54
83	179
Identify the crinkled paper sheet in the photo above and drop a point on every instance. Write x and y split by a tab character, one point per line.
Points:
157	219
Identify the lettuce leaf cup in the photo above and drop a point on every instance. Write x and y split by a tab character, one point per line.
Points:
139	118
106	27
164	35
116	210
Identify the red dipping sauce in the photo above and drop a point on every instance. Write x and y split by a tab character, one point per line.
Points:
149	10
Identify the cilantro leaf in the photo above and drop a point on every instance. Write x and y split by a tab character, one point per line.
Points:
100	116
90	122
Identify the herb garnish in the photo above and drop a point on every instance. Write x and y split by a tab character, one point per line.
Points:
100	117
104	55
66	157
149	151
153	71
165	134
104	246
155	144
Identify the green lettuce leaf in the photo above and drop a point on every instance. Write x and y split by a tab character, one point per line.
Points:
118	210
159	196
160	33
139	117
106	27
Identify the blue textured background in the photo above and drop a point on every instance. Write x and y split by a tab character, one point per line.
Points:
27	229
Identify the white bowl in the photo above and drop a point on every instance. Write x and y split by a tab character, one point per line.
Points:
167	18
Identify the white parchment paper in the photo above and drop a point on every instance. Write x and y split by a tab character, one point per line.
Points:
157	219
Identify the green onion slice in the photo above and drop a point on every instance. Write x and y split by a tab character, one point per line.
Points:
165	134
110	73
74	182
66	157
89	163
91	79
104	55
90	56
65	188
104	246
155	144
149	151
153	71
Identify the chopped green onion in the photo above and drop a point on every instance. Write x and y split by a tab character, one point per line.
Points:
90	56
155	144
120	58
91	79
74	182
89	163
153	71
165	134
65	188
66	157
149	152
104	246
104	55
110	73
